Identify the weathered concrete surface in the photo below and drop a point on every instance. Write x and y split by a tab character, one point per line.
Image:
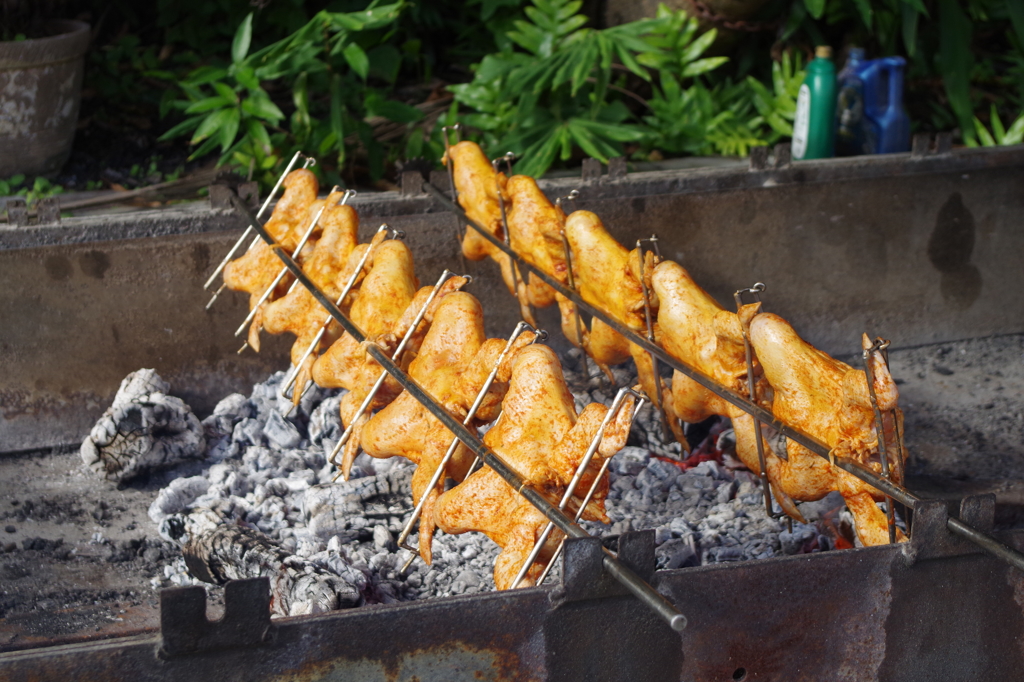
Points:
918	250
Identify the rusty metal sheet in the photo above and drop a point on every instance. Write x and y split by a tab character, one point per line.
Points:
865	614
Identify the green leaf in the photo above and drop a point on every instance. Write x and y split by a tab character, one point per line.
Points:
185	126
695	68
1015	134
983	134
229	128
205	148
997	126
243	37
864	7
909	21
815	7
226	91
246	77
337	111
260	106
385	61
208	104
357	59
1015	8
392	110
206	74
212	123
956	59
258	135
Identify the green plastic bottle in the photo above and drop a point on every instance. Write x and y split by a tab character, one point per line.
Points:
814	125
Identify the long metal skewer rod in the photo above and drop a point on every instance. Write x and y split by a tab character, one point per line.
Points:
248	230
293	373
887	487
619	571
649	321
397	355
575	481
762	464
583	505
295	253
890	512
453	446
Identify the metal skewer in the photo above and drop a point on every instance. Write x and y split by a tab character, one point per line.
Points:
293	373
762	464
453	446
648	319
248	230
583	504
890	513
295	252
622	573
396	356
620	397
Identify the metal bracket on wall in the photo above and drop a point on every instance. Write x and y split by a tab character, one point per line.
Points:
783	155
617	168
932	539
759	158
591	170
185	630
583	575
17	212
220	194
412	182
923	144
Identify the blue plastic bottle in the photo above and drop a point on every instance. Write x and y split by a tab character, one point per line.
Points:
887	128
850	106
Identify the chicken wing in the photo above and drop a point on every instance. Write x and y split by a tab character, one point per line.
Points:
830	401
451	366
255	270
329	267
540	436
478	186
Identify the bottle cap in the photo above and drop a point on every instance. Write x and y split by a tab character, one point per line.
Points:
823	52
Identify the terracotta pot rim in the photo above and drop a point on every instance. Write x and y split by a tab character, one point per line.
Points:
70	41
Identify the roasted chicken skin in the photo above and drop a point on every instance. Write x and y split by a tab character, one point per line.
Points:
540	436
479	188
608	276
255	270
452	365
829	400
694	329
329	268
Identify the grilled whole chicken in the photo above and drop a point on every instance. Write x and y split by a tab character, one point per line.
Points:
452	365
830	401
540	436
609	277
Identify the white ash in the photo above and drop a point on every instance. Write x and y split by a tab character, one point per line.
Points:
266	472
144	429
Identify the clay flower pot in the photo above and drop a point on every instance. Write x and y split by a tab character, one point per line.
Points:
40	84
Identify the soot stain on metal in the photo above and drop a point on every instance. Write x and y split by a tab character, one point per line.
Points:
949	250
94	264
58	268
200	256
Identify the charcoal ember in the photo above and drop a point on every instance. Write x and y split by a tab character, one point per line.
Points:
216	552
325	421
280	433
143	430
337	509
177	497
228	412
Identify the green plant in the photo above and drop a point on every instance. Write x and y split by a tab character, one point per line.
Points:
328	63
38	188
999	135
568	87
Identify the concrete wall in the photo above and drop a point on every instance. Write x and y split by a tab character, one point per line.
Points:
916	249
